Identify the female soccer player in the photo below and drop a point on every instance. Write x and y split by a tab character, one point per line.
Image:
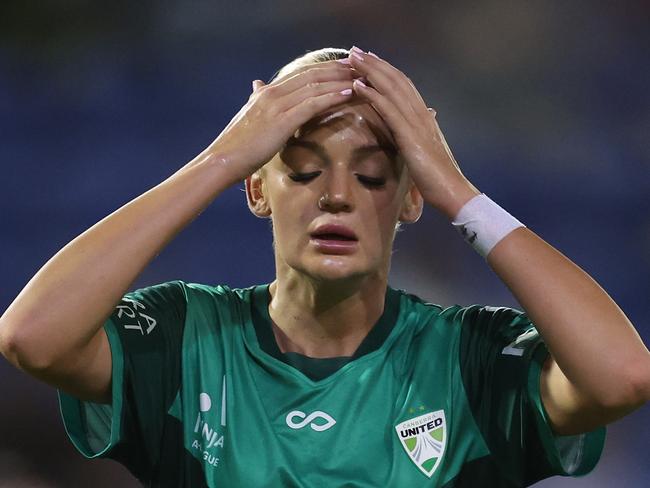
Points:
327	376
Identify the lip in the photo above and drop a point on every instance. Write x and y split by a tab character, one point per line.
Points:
335	229
334	246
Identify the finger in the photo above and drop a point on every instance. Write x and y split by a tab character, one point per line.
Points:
312	90
306	109
390	69
339	62
384	107
283	96
311	76
390	82
335	65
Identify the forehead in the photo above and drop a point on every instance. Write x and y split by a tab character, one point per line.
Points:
354	122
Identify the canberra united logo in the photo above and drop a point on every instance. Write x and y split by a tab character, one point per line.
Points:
424	440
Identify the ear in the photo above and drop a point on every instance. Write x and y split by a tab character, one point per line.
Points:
412	205
257	200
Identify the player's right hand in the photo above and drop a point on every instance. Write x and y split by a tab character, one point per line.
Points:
275	111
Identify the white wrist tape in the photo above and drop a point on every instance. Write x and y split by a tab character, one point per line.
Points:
483	223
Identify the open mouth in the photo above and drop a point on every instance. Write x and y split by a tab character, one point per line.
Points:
333	237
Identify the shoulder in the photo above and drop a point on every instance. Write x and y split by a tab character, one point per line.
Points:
468	320
412	304
457	314
424	322
169	289
219	305
187	296
220	293
486	315
487	320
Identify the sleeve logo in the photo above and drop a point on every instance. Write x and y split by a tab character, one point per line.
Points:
131	313
519	345
424	439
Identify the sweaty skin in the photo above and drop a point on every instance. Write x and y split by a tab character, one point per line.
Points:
324	304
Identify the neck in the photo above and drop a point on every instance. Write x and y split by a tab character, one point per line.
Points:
324	319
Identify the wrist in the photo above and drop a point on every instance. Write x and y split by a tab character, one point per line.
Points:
483	223
223	162
452	196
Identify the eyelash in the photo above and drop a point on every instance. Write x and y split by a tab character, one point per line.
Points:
366	180
303	177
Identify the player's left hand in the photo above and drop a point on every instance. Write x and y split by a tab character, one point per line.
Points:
417	136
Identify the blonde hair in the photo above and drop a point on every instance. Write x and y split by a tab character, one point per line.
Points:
311	57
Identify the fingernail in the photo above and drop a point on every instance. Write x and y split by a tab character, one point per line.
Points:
347	91
344	61
373	55
356	49
360	83
356	55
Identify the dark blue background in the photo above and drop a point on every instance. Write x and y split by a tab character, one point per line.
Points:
544	103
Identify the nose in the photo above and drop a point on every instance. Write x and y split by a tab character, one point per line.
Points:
336	193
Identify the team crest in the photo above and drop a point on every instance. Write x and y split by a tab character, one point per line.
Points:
424	439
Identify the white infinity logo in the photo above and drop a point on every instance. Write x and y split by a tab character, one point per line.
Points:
329	421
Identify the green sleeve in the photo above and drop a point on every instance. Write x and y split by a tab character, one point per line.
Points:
145	335
501	358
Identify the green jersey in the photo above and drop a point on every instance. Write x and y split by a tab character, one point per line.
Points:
446	398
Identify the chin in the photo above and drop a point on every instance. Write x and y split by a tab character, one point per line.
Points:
335	268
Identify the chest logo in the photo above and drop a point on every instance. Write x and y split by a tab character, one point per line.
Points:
305	420
424	439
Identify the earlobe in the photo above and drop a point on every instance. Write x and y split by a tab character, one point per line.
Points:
257	201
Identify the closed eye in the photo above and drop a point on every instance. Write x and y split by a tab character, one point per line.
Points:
365	180
304	177
371	182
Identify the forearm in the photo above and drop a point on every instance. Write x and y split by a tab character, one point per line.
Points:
66	302
604	365
588	335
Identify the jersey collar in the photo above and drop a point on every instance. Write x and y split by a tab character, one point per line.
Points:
319	368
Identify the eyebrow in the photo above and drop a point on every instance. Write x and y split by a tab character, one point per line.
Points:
357	153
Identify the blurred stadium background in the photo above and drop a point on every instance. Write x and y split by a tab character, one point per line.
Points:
544	103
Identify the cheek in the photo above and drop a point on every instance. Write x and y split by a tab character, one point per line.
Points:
387	208
378	223
290	221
